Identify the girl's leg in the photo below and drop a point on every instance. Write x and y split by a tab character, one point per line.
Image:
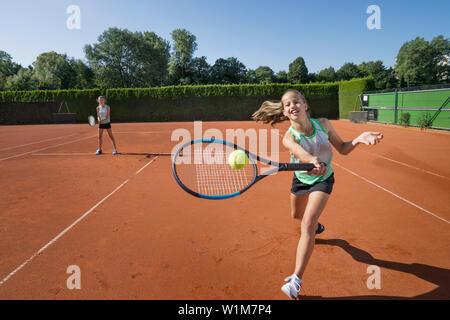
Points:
100	138
112	138
314	207
298	205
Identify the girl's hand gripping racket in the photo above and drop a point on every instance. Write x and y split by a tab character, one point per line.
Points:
201	168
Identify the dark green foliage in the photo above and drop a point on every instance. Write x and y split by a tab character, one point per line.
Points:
327	75
264	74
405	118
298	72
383	78
184	46
348	71
228	71
421	62
281	77
53	71
7	66
123	59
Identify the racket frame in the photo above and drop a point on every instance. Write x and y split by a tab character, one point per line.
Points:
89	121
252	160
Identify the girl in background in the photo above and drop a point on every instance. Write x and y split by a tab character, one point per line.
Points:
103	116
309	141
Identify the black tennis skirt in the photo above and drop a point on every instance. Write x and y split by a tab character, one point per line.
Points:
299	187
105	126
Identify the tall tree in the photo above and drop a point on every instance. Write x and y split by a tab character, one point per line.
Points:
22	80
348	71
184	46
251	76
7	66
53	71
228	71
327	75
2	81
422	62
264	74
298	72
84	76
313	77
281	77
199	71
123	59
440	47
377	71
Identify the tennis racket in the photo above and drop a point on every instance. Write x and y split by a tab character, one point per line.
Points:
91	121
201	168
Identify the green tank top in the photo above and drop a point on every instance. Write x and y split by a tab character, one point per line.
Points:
318	146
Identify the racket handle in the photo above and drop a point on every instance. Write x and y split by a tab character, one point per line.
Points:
296	166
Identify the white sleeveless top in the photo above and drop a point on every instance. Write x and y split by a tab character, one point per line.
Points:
103	113
318	146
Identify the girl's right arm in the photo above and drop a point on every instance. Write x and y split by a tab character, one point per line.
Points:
98	117
302	155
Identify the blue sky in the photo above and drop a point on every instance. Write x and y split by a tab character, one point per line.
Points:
257	32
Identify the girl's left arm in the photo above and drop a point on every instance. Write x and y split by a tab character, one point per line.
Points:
109	113
368	138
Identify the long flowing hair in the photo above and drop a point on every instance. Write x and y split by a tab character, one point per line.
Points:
271	112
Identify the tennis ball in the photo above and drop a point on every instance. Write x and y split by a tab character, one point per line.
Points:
238	159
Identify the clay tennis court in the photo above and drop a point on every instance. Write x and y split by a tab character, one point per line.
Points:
136	235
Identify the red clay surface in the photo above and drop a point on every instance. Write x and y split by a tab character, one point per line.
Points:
150	240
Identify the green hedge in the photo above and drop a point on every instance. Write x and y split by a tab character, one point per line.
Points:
175	103
348	94
212	102
81	102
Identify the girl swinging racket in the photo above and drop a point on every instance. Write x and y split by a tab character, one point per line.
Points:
309	141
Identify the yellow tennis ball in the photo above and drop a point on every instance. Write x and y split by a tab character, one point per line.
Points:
238	159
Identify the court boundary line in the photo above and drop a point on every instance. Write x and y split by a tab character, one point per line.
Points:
392	193
48	244
54	146
40	141
406	165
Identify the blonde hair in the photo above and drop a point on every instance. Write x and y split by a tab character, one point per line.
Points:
272	111
98	99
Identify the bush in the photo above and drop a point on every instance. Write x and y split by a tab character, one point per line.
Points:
404	119
424	121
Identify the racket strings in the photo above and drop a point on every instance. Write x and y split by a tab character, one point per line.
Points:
206	171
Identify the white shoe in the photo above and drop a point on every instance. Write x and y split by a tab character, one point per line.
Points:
115	151
292	287
99	151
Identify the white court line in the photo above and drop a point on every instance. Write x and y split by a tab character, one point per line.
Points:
61	144
40	141
405	164
68	228
392	193
139	171
64	154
